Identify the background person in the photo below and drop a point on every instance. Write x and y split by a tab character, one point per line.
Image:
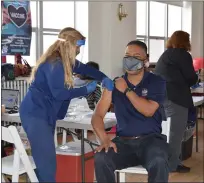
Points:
176	66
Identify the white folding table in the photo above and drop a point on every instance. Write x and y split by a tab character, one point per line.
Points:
83	124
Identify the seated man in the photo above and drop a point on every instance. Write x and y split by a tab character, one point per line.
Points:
137	99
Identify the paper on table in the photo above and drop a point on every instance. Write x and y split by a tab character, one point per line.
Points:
78	116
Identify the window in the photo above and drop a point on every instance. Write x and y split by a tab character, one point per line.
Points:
48	18
156	49
58	14
154	25
48	40
143	39
33	13
174	19
68	14
157	19
141	18
81	24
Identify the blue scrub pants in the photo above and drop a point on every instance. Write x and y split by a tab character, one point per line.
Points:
41	137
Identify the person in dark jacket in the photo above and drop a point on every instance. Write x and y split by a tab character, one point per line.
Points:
176	66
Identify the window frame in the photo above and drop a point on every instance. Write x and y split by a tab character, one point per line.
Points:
147	37
40	31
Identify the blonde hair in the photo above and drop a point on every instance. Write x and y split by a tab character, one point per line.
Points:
65	49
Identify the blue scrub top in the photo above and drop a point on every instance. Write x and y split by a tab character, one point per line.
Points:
47	97
131	122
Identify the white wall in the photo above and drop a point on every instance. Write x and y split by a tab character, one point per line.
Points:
108	36
194	11
197	29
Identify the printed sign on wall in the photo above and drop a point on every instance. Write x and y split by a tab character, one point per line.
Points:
16	28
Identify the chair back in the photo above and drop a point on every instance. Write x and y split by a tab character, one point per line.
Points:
166	128
11	135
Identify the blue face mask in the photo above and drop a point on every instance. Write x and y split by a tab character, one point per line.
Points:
132	64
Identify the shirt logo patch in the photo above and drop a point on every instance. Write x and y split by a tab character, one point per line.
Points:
144	92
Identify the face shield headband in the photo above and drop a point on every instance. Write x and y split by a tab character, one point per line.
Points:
80	48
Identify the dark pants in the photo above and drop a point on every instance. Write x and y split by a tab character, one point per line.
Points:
150	151
179	117
41	137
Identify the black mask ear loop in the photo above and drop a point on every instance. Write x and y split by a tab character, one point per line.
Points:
146	60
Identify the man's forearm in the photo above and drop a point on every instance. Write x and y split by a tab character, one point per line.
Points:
98	126
141	104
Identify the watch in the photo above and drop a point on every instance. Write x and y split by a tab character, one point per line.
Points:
127	90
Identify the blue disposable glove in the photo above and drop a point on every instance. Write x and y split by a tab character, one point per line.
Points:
108	84
91	87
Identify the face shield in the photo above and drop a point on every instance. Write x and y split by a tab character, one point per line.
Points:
80	50
80	44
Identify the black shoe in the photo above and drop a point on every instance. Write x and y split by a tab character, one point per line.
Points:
182	169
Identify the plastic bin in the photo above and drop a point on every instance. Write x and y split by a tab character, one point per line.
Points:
69	163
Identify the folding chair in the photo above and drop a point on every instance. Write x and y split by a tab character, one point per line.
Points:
120	174
20	162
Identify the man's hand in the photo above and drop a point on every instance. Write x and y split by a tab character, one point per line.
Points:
121	85
106	145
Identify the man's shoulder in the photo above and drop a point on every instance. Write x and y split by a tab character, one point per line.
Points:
118	77
155	78
155	81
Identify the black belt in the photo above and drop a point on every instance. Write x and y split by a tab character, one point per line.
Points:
129	138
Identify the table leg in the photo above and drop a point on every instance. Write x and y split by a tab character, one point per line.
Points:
82	157
197	129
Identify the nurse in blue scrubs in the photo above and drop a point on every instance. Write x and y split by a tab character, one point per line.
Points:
49	96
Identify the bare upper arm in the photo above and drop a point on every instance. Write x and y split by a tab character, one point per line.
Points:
103	104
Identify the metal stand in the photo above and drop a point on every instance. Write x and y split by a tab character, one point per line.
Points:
82	157
197	129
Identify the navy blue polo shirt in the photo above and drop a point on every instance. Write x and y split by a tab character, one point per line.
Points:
130	122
